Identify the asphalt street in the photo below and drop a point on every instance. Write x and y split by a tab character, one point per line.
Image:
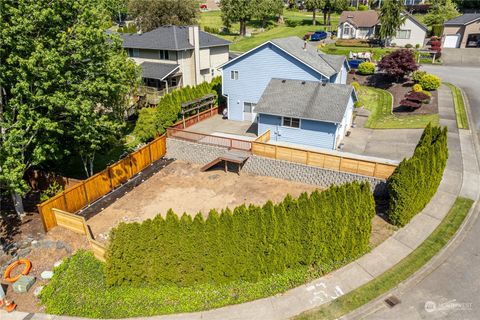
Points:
452	290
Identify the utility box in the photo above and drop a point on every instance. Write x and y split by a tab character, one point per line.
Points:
23	284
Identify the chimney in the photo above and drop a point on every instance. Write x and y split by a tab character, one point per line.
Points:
194	40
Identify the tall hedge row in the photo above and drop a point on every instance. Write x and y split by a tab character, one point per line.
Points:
247	244
415	181
168	109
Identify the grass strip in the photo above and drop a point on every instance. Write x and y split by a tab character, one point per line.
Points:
379	103
400	272
459	103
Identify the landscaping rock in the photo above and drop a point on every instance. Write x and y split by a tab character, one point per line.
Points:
46	275
58	263
23	284
37	291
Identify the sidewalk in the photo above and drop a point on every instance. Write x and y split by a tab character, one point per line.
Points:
460	178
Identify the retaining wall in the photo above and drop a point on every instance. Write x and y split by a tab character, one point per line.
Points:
203	154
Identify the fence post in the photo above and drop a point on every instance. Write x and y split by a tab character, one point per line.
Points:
39	207
150	151
65	201
375	170
86	193
110	178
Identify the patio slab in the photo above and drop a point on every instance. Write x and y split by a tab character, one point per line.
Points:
216	125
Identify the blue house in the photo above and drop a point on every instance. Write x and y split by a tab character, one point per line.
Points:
246	77
306	112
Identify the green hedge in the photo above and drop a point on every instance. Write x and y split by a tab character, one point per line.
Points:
168	109
247	244
415	181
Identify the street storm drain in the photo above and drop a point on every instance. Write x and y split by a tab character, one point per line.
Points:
392	301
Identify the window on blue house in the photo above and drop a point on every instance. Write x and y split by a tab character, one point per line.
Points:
291	122
234	75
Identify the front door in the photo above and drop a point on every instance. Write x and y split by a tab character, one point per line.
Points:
248	111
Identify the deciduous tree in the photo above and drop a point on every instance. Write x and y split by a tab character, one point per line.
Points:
399	63
441	11
314	5
237	11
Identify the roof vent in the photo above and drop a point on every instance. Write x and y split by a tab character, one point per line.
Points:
303	82
324	84
283	81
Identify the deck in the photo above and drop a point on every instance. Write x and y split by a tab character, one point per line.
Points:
237	157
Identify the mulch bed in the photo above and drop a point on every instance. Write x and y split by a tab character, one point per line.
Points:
398	90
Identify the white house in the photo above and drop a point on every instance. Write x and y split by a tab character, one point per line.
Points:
365	25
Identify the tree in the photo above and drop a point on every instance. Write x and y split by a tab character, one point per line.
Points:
440	11
117	8
237	11
59	69
314	5
391	18
267	8
399	63
151	14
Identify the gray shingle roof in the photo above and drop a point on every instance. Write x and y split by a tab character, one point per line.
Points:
169	38
463	19
323	63
154	70
360	19
305	99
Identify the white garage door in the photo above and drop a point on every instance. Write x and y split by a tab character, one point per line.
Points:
452	41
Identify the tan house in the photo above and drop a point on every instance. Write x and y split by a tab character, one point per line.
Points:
365	25
462	32
175	56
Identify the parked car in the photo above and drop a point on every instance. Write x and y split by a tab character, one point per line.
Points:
318	35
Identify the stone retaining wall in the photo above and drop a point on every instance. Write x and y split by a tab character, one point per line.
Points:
203	154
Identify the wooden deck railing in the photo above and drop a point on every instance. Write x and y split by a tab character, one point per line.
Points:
209	139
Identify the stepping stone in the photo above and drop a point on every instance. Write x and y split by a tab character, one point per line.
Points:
23	284
58	263
46	275
37	291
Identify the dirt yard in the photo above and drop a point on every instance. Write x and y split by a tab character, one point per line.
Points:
182	187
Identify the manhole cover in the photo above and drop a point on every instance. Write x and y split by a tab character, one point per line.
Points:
392	301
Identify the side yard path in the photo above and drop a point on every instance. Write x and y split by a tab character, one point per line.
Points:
380	259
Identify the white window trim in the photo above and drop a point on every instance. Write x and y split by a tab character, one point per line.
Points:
232	73
299	123
252	105
409	33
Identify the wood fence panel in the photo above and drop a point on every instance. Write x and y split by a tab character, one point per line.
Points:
70	221
140	159
120	172
158	148
299	156
349	165
75	198
97	186
366	168
332	162
283	154
316	159
384	171
98	249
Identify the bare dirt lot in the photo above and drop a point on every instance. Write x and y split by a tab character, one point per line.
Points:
182	187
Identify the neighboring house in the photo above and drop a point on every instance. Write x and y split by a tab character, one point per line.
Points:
246	77
365	25
306	112
462	32
172	56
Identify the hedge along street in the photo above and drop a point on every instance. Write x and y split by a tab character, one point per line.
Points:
376	262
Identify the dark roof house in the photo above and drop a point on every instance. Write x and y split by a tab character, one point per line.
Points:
462	31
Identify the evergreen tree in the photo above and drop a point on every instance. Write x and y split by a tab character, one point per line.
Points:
391	18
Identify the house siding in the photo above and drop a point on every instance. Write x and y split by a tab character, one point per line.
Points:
311	133
255	70
417	34
346	122
463	31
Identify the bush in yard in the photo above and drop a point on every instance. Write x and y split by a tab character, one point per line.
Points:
146	127
408	46
399	63
415	181
356	86
430	82
52	190
417	75
417	88
246	244
362	7
366	68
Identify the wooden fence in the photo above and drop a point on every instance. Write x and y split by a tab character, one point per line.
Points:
209	139
95	187
264	137
322	160
78	224
190	121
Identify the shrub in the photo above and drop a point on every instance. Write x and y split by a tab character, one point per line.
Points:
417	88
430	82
417	75
211	30
358	104
366	68
417	46
248	243
356	86
408	46
362	7
352	43
147	125
52	190
351	8
415	181
427	93
399	63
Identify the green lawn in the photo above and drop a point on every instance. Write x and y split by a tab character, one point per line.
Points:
302	21
401	271
460	111
379	103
